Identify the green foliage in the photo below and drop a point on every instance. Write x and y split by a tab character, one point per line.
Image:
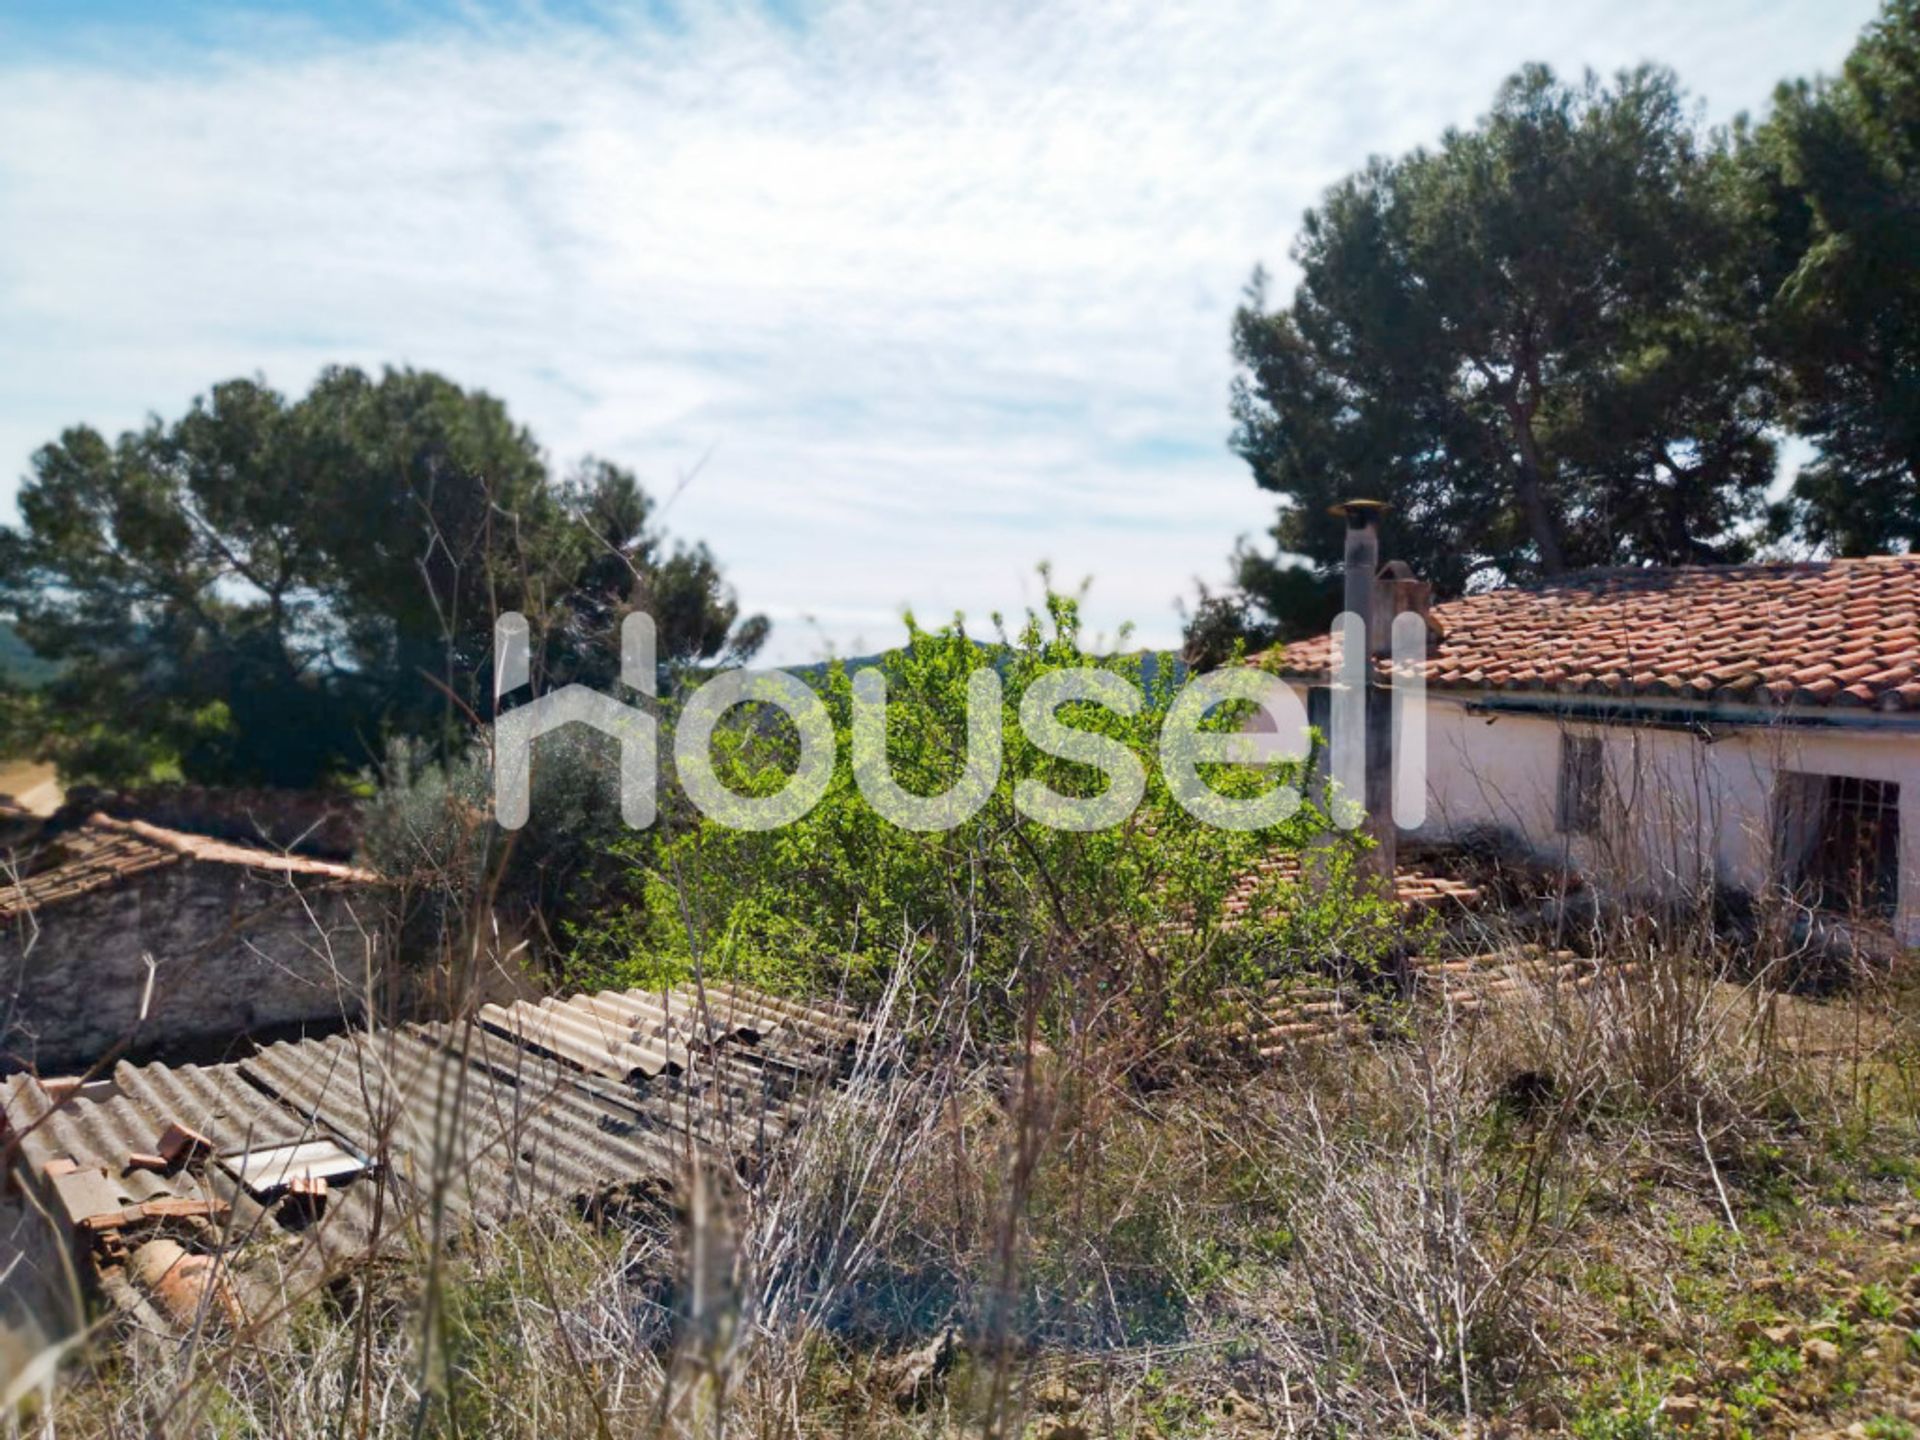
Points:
1534	340
262	591
1269	600
1834	182
20	668
23	722
1623	1410
1565	337
1133	911
429	826
1768	1367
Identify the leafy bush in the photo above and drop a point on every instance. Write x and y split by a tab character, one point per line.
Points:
430	827
1127	924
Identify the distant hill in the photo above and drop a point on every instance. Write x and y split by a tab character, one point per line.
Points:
1149	666
816	671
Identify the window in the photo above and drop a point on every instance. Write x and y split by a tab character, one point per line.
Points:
1843	837
1581	775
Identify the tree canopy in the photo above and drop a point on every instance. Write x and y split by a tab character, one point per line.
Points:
1834	176
1533	340
1574	334
267	591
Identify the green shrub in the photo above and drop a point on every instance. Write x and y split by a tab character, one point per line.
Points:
1036	918
429	826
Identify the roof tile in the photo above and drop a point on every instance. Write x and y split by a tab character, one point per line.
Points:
1839	632
103	851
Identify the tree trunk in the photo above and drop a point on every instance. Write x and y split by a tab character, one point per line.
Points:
1521	401
1533	495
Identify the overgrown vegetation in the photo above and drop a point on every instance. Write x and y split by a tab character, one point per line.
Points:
1134	913
1131	912
1052	1194
1668	1204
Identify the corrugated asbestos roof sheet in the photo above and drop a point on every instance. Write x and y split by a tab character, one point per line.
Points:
103	851
491	1120
628	1034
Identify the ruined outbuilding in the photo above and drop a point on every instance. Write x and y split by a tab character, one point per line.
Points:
1746	728
122	936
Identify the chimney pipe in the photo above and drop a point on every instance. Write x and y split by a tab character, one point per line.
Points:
1363	598
1362	561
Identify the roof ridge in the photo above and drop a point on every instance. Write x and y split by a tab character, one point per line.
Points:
1651	572
226	852
1842	632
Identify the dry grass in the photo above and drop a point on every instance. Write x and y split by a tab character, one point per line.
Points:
1486	1223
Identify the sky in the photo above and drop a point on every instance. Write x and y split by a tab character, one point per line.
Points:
897	301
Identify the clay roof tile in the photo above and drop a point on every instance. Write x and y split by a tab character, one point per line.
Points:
1841	632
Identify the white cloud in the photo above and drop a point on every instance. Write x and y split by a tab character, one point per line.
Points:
912	278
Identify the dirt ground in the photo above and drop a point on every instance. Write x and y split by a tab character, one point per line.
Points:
32	784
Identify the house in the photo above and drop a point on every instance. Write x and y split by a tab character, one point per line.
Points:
118	935
1753	727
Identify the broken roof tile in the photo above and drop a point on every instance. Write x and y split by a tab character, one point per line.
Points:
102	851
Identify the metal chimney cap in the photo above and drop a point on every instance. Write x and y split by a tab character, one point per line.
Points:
1359	513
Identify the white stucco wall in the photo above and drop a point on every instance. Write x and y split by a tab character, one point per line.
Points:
1676	803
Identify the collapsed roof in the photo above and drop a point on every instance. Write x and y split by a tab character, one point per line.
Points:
331	1150
65	863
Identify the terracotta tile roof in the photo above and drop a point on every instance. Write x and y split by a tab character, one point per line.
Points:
225	852
1839	633
1420	889
1292	1012
103	851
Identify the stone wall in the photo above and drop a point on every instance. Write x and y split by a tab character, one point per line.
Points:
234	950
